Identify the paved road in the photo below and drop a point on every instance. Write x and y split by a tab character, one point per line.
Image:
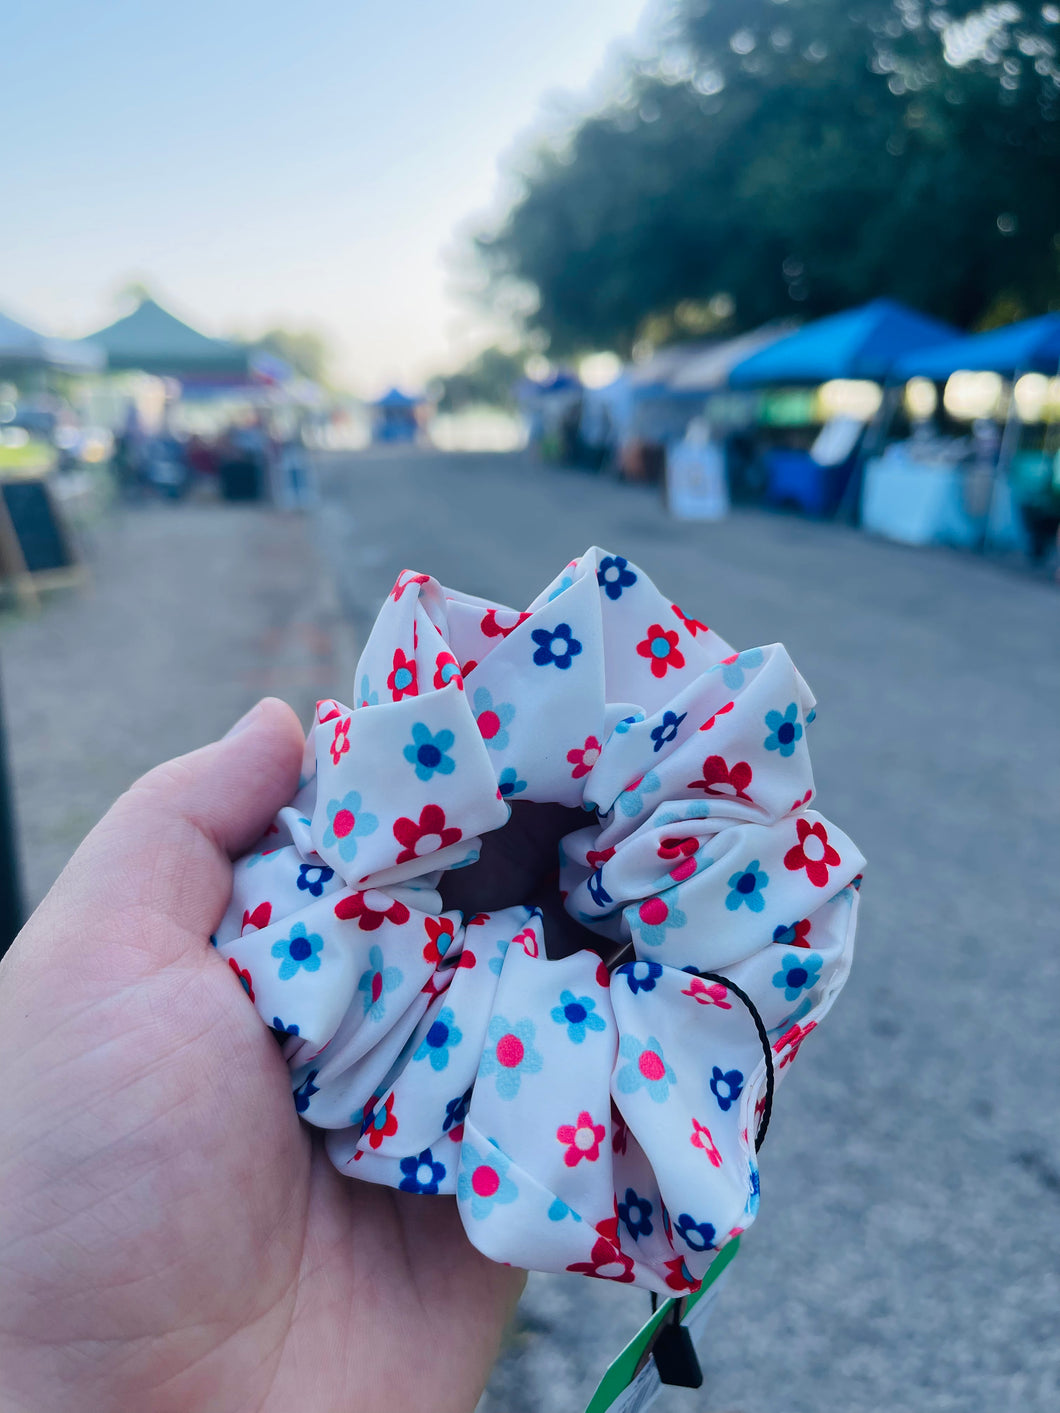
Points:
908	1252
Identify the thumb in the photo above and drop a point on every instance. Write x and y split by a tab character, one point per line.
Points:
154	875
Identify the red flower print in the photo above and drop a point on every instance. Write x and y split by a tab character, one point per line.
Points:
468	667
692	624
490	627
796	935
609	1229
813	852
379	1124
607	1263
340	742
701	1139
595	857
713	995
584	758
680	1277
527	939
426	837
402	583
683	851
258	919
789	1041
446	670
479	920
327	711
437	929
661	650
583	1139
619	1141
718	779
371	909
402	679
804	801
603	976
244	977
720	712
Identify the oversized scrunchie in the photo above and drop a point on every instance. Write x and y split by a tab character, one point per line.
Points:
595	1111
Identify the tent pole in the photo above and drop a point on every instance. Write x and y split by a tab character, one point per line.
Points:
1010	435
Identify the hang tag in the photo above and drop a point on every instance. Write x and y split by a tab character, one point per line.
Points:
675	1357
632	1382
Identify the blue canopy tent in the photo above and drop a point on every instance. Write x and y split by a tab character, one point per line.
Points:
862	343
394	417
1031	346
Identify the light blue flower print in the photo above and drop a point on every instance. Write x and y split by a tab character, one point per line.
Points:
690	809
627	723
559	1209
561	588
300	951
492	719
733	673
655	916
368	697
746	886
578	1014
496	963
510	1054
647	1068
508	782
785	731
428	752
799	972
377	983
631	800
483	1181
347	824
439	1040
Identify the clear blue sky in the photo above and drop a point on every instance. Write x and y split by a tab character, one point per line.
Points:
260	163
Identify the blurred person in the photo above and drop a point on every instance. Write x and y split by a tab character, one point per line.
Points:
172	1237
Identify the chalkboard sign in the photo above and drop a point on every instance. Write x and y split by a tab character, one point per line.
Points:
34	546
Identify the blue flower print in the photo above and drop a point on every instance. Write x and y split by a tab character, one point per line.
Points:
753	1196
484	1180
496	963
732	673
456	1111
422	1173
631	800
595	884
305	1091
628	722
368	697
726	1087
578	1014
301	949
311	878
559	1209
746	886
428	752
492	719
561	588
614	575
283	1031
784	730
508	782
698	1235
655	916
439	1040
647	1068
640	976
510	1054
811	716
555	645
799	971
667	729
635	1215
376	983
346	824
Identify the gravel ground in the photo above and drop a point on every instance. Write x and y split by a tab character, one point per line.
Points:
907	1252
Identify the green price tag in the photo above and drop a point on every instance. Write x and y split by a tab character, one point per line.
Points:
632	1382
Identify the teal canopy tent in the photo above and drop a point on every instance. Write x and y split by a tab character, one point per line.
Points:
23	347
151	340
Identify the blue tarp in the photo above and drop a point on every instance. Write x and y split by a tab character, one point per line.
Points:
1031	346
396	398
860	343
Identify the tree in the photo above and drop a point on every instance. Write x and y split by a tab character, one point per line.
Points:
305	350
800	156
489	379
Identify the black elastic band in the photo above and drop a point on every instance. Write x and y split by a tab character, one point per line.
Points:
767	1049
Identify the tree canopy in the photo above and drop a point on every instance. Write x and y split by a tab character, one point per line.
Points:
783	157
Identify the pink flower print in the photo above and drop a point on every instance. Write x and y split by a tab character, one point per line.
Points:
789	1041
585	757
340	742
713	995
582	1138
701	1139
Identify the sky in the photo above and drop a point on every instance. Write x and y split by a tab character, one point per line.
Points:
260	164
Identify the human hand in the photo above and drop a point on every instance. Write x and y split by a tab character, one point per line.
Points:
171	1237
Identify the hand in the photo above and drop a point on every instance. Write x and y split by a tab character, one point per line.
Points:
171	1236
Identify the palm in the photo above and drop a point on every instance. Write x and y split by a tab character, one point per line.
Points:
173	1237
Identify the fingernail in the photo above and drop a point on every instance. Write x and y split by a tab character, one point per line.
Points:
243	722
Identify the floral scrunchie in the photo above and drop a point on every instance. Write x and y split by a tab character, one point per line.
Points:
584	1066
